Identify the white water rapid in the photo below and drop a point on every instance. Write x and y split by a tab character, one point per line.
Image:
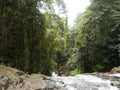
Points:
117	75
81	82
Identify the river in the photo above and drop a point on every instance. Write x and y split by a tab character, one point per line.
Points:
80	82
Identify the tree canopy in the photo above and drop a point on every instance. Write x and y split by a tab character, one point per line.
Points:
36	39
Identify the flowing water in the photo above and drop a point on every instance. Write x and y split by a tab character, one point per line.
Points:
117	75
81	82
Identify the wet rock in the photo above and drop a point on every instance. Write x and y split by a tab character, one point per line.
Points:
115	83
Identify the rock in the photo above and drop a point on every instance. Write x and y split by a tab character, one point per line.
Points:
4	82
17	81
10	72
116	70
115	83
20	73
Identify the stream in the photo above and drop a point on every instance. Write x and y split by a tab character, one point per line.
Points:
80	82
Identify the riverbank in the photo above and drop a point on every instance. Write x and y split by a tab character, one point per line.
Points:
13	79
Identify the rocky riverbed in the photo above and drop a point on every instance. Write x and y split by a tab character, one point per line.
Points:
12	79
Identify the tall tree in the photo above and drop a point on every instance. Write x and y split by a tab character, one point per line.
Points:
99	36
23	40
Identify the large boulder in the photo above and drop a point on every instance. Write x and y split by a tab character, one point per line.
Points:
9	76
13	79
10	72
116	70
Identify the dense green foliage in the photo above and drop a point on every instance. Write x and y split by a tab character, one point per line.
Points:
98	40
35	39
26	38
